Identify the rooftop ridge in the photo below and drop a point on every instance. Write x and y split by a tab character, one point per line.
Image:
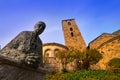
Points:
110	40
53	43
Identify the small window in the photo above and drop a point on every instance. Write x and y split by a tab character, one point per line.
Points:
47	52
72	34
56	51
69	23
71	29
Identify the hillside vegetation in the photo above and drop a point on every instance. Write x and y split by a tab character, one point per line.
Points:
85	75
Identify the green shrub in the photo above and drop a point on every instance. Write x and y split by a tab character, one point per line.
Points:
88	79
85	75
114	65
111	78
92	56
83	59
115	62
115	70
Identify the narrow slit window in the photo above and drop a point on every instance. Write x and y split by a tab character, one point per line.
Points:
72	34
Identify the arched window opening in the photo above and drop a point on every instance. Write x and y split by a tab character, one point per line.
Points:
56	51
69	23
47	53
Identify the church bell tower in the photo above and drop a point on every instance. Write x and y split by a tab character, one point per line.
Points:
72	36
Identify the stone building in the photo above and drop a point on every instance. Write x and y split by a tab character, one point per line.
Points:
72	35
108	45
73	39
49	55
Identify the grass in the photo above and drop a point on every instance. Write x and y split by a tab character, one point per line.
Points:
85	75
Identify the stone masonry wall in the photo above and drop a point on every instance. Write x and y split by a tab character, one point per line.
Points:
109	46
99	40
109	51
11	69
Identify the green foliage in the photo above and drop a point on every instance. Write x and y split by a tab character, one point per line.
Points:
83	59
63	56
111	78
114	65
89	79
85	75
68	56
92	55
115	70
115	62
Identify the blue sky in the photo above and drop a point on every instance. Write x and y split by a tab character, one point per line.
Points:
93	17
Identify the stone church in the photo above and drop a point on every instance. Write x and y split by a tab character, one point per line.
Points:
73	39
107	44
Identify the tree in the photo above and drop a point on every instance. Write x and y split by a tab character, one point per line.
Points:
67	56
83	59
61	55
92	56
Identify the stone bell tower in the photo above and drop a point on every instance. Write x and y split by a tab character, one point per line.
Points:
72	36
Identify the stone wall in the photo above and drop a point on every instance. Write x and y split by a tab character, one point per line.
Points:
14	70
109	51
109	46
100	40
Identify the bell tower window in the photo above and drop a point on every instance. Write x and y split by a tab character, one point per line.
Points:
69	23
72	34
71	29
